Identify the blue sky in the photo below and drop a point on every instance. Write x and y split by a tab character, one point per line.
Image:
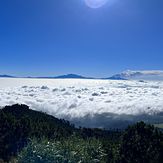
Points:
52	37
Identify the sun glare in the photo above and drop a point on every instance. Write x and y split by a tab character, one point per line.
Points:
95	3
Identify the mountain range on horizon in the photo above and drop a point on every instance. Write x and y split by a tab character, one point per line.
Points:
125	75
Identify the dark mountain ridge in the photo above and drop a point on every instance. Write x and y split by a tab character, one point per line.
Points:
6	76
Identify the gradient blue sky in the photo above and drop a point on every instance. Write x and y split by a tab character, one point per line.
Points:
52	37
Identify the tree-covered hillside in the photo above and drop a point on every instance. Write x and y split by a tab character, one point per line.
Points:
18	123
31	136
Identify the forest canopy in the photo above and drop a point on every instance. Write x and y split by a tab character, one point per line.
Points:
31	136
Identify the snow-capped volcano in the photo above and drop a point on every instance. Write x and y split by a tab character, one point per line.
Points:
141	75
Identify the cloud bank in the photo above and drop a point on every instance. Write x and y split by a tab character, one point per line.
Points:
90	103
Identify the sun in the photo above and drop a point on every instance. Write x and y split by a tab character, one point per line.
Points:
95	3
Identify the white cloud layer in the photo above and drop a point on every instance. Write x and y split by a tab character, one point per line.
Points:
92	103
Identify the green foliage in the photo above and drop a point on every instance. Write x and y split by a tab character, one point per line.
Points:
18	123
141	143
72	150
38	137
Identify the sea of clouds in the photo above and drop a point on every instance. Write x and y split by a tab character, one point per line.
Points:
90	103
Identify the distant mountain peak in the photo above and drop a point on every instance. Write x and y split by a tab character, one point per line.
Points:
141	74
72	76
6	76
